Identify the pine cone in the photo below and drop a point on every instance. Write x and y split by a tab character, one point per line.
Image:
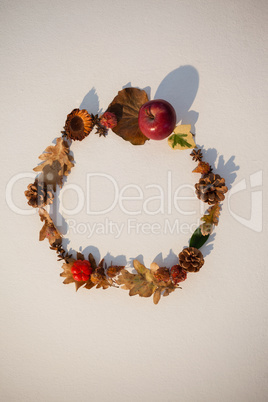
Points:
211	188
191	259
196	155
38	195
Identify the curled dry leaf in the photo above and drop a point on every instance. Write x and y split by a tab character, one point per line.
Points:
80	256
56	158
126	106
154	267
49	230
99	278
157	296
114	270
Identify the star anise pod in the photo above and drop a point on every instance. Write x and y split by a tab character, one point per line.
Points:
196	155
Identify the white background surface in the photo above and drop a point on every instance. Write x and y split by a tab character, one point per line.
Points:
206	342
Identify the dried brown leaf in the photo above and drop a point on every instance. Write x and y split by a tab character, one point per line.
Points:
56	162
114	270
92	261
67	273
126	106
80	256
98	277
141	283
49	230
157	296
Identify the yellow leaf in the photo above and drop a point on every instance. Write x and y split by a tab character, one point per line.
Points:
182	138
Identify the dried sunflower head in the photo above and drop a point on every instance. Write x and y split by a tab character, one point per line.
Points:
78	124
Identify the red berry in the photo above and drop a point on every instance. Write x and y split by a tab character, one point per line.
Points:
85	277
75	270
81	270
77	277
86	270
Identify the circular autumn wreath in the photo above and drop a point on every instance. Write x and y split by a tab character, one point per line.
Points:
122	116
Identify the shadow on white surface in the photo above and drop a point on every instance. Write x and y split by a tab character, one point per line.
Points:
179	88
170	260
225	169
91	102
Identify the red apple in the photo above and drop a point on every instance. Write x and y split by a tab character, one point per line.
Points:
157	119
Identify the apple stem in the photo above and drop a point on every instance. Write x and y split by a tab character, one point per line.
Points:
149	114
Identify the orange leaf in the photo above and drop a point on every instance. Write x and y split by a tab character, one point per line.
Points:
202	167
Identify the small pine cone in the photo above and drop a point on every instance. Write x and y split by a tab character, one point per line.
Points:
78	125
211	188
162	275
38	195
196	155
191	259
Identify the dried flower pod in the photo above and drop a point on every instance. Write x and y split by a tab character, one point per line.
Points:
78	124
191	259
38	194
211	188
108	120
178	274
162	274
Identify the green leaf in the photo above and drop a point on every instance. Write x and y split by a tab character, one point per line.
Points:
197	240
177	139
